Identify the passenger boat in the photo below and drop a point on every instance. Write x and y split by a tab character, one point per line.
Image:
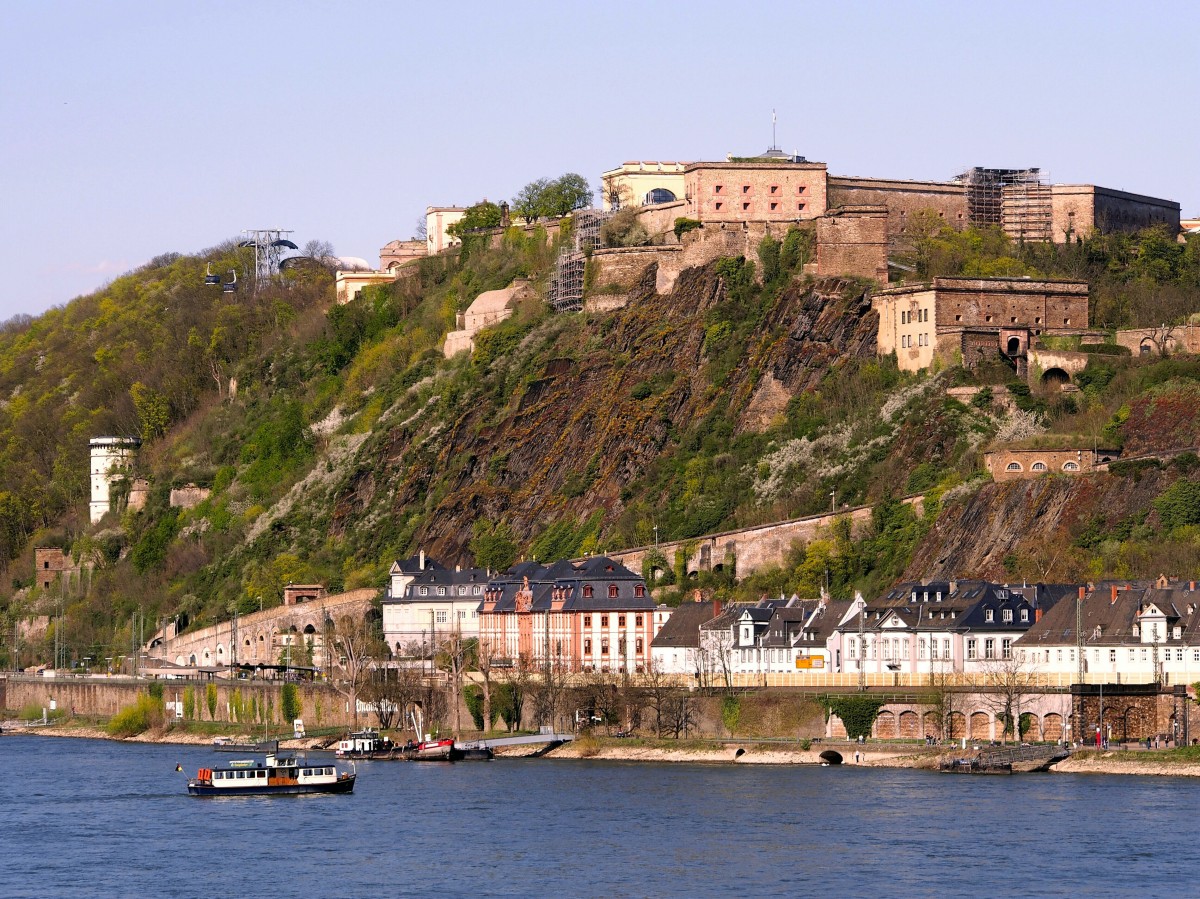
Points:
274	775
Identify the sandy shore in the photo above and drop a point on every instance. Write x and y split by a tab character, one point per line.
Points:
1108	763
174	737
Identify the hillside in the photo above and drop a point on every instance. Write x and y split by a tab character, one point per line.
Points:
335	439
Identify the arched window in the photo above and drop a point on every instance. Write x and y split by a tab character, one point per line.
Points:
1070	466
660	195
1038	466
1013	466
587	591
612	591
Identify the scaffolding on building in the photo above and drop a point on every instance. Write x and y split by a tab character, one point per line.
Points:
566	285
1017	200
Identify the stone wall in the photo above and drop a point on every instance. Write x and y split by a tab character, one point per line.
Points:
755	191
1079	209
321	705
188	496
659	220
1161	341
1035	463
852	240
947	199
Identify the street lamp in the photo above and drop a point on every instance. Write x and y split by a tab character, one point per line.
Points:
833	501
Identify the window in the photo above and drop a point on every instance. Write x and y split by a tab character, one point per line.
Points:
717	188
800	189
989	648
1024	614
933	649
587	647
1112	655
972	648
462	591
904	649
462	615
612	591
745	206
604	621
774	206
745	188
604	647
587	620
587	591
1006	616
424	591
774	188
620	621
989	615
638	620
1013	466
799	206
478	589
1038	466
1070	466
1006	648
639	645
920	649
441	617
441	591
852	649
639	591
718	206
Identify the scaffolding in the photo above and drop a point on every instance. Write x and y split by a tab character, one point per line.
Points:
1017	200
566	285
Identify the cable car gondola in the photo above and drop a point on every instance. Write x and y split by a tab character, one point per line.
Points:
210	278
230	286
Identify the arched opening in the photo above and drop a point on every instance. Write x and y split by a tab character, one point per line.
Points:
958	725
830	757
909	725
309	629
660	195
1052	727
1038	466
932	727
885	726
1055	378
1014	346
1070	466
1013	466
981	726
1146	347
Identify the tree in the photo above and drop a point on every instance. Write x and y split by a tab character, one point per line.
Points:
289	702
354	648
567	193
482	215
530	201
1005	682
485	656
454	657
391	691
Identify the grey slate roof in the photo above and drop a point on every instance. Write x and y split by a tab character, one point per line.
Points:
682	630
573	579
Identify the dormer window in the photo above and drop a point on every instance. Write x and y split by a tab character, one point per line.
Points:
989	615
1024	614
914	596
1136	631
612	591
1177	633
939	596
424	591
587	591
441	591
1007	616
639	591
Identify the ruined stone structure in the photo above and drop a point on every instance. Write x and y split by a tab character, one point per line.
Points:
1164	340
111	460
960	316
188	496
400	252
52	566
489	308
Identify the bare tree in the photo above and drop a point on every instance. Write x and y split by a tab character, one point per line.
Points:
391	691
421	230
485	657
1006	681
547	689
355	647
456	653
660	691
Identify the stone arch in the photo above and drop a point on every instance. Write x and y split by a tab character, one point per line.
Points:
1052	727
958	725
1032	727
909	725
981	726
931	725
1013	466
207	656
1070	466
309	628
885	726
1056	377
1147	347
1014	346
180	660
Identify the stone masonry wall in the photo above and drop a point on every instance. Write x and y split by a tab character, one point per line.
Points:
902	199
853	241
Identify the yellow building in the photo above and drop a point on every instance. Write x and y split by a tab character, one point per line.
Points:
643	183
437	220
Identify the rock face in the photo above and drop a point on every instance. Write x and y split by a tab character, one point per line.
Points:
588	404
1031	526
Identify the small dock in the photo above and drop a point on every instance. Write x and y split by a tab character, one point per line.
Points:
1011	760
550	739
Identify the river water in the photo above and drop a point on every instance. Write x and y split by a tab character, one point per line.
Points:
96	818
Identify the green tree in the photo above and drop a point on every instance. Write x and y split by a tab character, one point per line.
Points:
566	193
153	410
289	701
530	201
210	695
484	214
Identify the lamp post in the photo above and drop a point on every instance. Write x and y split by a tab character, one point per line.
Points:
833	501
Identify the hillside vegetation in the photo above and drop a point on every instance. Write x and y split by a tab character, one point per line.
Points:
336	439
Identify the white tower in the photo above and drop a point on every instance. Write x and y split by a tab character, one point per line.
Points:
111	458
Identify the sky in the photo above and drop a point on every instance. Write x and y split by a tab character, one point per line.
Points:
130	129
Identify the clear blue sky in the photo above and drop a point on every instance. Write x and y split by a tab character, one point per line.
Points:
128	129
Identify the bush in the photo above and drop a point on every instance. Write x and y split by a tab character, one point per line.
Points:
145	713
684	225
289	701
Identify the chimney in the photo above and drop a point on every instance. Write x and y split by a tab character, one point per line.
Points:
1082	591
1191	586
457	568
716	607
953	587
1113	601
1037	614
421	563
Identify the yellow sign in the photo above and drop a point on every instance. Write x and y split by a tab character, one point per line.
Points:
811	662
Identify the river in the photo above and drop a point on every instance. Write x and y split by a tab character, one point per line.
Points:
98	818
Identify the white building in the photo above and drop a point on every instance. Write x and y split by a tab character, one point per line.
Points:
111	460
425	603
